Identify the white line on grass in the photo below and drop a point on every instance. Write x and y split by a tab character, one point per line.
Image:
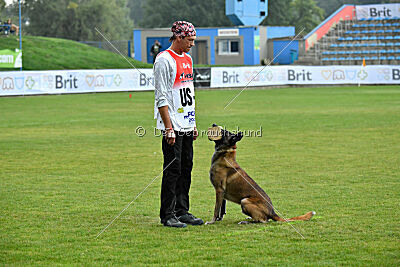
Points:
279	213
264	68
135	198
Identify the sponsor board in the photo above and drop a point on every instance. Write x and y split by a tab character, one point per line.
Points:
10	59
303	75
202	77
74	81
378	11
86	81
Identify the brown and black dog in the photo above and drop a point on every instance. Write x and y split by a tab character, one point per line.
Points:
232	183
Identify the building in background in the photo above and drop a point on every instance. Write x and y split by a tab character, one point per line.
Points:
243	45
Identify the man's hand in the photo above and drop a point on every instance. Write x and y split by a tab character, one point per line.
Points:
170	136
195	133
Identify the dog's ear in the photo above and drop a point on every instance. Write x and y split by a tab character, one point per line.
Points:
238	136
214	133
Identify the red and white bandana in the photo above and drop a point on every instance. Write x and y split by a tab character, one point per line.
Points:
183	29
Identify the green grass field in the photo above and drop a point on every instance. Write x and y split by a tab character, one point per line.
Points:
71	163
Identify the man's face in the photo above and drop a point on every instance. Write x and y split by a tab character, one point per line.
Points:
187	43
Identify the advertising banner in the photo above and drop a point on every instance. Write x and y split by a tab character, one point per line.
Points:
75	81
10	59
202	77
303	75
378	11
90	81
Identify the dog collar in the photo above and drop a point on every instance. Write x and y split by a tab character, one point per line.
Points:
227	151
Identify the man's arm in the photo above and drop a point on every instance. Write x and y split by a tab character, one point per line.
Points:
169	131
161	78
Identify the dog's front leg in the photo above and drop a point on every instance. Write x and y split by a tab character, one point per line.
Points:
222	211
219	197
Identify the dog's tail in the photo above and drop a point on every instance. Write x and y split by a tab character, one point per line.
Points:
304	217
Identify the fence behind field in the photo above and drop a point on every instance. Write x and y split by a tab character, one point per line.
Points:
123	46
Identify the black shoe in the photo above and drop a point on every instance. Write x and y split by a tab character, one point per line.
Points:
190	219
174	222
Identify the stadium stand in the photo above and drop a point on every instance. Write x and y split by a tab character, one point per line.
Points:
350	41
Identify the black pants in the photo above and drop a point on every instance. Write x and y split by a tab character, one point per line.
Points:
177	176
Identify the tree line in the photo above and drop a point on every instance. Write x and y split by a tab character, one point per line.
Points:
77	19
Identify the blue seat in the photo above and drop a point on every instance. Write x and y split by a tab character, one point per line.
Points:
373	31
342	45
389	44
381	37
342	52
372	45
342	58
341	39
383	57
363	19
364	38
391	58
325	59
334	45
367	58
397	37
373	51
357	38
350	45
349	38
382	51
355	26
390	51
388	37
396	30
387	25
333	59
358	58
380	31
397	51
350	58
372	38
397	44
364	31
396	24
348	32
326	53
374	58
379	25
398	57
388	31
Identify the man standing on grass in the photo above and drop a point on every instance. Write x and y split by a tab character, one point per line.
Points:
174	111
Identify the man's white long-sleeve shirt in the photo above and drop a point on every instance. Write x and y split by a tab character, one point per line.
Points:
176	92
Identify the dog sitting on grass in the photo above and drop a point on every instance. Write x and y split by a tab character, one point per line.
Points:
232	183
